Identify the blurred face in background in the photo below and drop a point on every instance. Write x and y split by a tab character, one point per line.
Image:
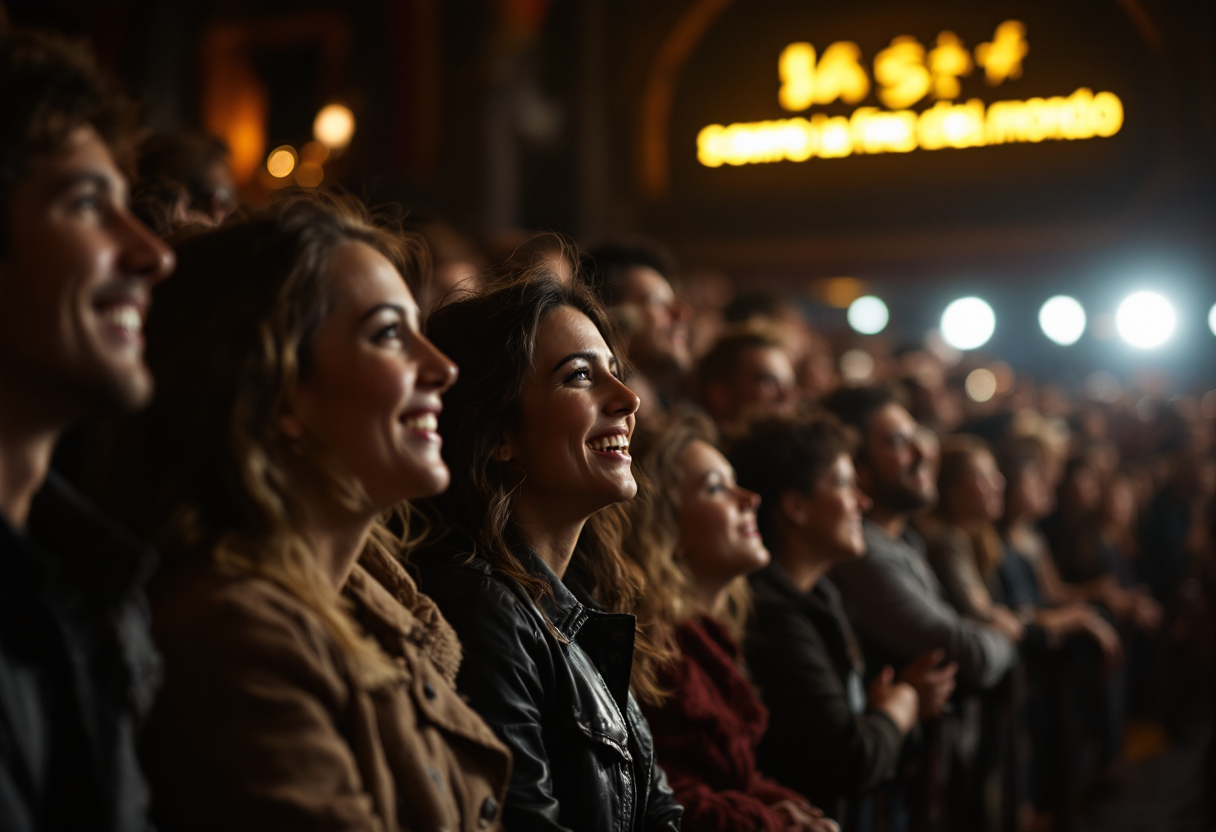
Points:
897	471
763	380
830	516
1119	503
979	494
719	539
1081	492
660	341
1030	497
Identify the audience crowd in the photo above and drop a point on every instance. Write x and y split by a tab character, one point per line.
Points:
311	521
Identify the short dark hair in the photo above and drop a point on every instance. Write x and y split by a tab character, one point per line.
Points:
854	406
722	360
50	87
606	265
779	453
183	157
750	305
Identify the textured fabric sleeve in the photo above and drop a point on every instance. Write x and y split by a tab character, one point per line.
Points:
815	743
770	791
244	734
504	675
892	608
709	810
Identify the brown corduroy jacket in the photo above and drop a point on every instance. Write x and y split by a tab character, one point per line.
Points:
262	725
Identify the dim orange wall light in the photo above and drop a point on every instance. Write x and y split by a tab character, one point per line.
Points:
334	126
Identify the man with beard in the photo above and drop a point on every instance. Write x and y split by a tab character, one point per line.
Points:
896	602
630	278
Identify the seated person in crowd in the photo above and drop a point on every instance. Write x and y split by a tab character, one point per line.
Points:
746	371
896	602
1107	574
525	556
77	665
828	738
983	577
631	278
198	163
694	533
308	684
1114	545
1068	695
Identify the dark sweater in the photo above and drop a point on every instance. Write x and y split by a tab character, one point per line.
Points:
705	736
805	661
77	669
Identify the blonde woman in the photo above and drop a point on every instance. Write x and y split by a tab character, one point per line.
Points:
308	684
694	532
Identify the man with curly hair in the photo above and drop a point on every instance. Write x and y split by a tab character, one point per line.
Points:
77	665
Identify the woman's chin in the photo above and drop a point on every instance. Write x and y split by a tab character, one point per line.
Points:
428	482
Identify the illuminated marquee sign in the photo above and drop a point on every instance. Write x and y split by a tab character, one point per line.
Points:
906	74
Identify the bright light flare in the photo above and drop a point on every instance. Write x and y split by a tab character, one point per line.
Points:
868	315
1145	320
1212	319
857	366
334	126
980	385
281	161
1062	319
968	323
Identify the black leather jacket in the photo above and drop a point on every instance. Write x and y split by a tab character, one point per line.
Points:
583	754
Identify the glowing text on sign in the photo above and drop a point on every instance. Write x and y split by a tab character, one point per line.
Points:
905	74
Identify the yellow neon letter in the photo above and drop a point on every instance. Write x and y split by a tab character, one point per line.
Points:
841	75
947	61
900	69
1002	57
796	68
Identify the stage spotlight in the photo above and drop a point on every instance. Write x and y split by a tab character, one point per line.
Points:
1062	320
1212	319
1145	320
968	323
868	315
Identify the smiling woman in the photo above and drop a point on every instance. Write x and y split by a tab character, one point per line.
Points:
308	684
525	552
694	533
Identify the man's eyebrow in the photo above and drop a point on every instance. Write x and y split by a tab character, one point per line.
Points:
76	178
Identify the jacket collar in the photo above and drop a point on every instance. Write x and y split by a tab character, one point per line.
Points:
565	612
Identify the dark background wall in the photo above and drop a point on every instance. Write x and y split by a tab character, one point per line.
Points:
505	116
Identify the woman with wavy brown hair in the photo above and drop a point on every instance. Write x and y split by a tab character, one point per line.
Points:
308	684
525	557
693	531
